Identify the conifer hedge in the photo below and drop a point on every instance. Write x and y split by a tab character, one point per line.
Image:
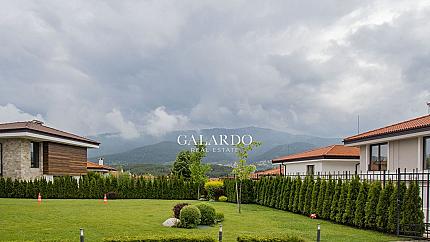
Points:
358	203
93	186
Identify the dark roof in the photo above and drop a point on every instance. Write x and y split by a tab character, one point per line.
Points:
38	128
409	126
329	152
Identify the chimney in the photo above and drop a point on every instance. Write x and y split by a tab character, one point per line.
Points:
101	161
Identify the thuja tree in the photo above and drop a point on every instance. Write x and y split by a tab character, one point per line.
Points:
287	191
412	215
394	212
292	193
315	191
382	207
334	204
302	196
297	195
360	205
279	197
353	190
321	194
328	197
371	204
308	197
242	171
275	192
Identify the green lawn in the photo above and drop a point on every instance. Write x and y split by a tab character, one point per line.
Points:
23	219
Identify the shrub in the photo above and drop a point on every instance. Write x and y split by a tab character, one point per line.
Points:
321	195
177	209
164	238
382	207
353	190
190	216
392	209
315	192
219	217
249	238
335	201
372	202
207	213
412	215
214	189
222	199
360	205
328	197
308	198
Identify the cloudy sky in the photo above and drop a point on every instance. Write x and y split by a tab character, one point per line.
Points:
148	67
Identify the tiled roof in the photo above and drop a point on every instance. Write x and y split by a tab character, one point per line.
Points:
92	165
329	152
38	127
409	125
269	172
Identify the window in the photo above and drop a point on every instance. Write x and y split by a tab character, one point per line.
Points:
35	154
426	152
310	169
378	157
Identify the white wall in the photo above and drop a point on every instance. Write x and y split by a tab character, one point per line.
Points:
332	166
402	153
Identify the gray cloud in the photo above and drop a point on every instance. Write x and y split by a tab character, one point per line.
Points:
147	67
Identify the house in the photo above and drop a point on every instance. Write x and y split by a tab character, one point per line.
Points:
100	168
404	145
330	159
269	172
30	150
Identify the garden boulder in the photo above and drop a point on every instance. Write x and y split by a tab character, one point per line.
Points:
171	222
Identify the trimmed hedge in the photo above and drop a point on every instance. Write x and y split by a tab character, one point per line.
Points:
358	203
166	238
94	186
248	195
249	238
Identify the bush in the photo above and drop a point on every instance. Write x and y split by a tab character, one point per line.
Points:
207	213
222	199
177	209
249	238
190	216
214	189
165	238
219	217
383	205
372	203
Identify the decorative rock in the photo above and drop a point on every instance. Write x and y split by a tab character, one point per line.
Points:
171	222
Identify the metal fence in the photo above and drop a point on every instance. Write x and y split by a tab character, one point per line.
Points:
400	175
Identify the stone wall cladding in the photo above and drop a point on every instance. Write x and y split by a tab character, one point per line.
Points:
16	160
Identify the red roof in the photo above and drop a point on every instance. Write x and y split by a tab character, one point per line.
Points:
405	126
38	127
329	152
92	165
269	172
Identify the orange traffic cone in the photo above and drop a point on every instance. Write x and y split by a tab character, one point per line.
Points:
39	198
105	199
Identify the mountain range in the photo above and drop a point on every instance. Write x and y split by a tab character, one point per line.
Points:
163	149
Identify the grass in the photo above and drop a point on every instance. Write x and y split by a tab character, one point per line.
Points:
24	219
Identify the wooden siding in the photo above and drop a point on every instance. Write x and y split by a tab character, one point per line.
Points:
60	159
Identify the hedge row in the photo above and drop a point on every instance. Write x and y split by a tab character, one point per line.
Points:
357	203
93	186
247	186
248	238
166	238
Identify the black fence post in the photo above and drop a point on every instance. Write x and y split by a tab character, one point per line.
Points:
398	202
220	233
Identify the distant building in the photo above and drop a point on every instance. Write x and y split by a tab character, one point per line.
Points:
401	145
333	159
30	150
269	172
100	168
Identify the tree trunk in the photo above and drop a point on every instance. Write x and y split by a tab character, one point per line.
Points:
198	192
237	197
240	196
